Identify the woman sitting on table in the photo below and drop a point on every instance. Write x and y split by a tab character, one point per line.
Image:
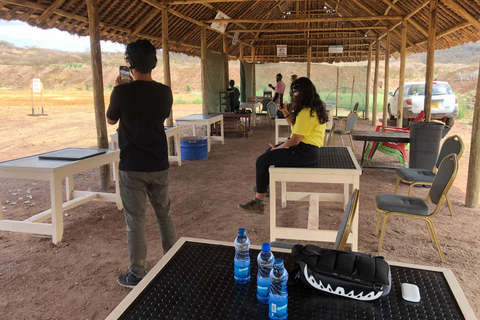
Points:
302	149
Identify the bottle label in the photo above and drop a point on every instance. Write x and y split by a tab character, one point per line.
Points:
242	269
278	306
262	287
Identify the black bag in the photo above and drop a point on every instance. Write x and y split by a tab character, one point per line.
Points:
349	274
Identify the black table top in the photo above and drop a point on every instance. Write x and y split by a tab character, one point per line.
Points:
197	283
382	136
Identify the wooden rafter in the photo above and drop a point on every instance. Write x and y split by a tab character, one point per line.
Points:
344	29
287	21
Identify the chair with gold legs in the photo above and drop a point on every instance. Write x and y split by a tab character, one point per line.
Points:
411	207
413	176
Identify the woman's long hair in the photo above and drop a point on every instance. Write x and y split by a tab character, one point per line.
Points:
306	97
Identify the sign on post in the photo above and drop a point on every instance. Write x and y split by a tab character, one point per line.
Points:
220	26
335	49
281	50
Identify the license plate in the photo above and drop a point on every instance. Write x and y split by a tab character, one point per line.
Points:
435	104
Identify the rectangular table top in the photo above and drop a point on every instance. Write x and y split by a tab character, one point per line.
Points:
383	136
33	162
195	281
235	115
194	117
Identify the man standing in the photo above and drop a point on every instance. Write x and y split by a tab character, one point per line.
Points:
279	90
234	96
142	107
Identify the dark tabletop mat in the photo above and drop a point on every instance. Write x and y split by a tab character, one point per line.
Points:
197	283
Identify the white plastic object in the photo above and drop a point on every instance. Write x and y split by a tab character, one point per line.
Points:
410	292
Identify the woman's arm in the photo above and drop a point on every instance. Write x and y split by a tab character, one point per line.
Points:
287	114
293	141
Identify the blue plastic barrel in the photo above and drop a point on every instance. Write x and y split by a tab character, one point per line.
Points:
194	148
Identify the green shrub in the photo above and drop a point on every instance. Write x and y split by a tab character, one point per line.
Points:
87	86
178	100
110	86
197	99
73	65
189	87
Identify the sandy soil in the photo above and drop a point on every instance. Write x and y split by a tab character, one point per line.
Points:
76	279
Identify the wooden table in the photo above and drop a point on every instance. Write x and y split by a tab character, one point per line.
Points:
170	132
379	136
204	120
248	120
336	165
55	171
194	280
252	105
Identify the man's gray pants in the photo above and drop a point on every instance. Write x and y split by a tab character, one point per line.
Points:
134	189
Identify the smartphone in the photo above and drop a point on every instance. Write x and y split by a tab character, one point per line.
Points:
125	74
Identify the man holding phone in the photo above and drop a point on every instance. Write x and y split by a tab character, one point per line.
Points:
142	107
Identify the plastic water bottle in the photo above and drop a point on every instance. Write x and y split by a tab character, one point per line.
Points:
278	297
265	261
242	257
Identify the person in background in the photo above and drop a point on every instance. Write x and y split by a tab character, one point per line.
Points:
234	96
142	107
279	90
302	149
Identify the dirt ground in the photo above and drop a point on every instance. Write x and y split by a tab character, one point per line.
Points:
76	279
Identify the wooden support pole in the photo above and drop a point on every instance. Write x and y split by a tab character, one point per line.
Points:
167	79
254	82
432	30
336	91
98	98
309	61
473	179
369	75
386	85
225	61
351	97
203	58
375	83
401	84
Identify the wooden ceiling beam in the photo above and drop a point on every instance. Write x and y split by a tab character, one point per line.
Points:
146	21
402	12
345	29
312	39
314	45
463	13
47	13
310	34
184	2
286	21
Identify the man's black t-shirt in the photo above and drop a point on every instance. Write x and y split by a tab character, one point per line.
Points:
142	107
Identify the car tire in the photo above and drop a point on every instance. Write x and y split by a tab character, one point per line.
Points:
390	115
450	122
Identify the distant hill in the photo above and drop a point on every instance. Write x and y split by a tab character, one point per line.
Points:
464	54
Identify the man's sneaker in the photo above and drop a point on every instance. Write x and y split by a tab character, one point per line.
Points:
128	280
253	206
267	194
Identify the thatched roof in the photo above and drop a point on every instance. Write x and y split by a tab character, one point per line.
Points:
262	24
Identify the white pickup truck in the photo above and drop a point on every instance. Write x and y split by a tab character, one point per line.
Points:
444	102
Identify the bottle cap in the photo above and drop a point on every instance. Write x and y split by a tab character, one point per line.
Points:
241	232
278	263
266	246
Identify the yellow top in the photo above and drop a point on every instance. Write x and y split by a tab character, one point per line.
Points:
308	126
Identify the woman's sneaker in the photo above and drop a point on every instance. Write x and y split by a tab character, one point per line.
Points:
267	194
253	206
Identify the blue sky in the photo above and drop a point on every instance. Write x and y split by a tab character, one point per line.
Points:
23	35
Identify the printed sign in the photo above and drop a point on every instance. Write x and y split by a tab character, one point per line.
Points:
37	87
235	38
335	49
281	50
220	26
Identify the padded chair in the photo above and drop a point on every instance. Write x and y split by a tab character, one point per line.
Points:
355	109
264	112
347	130
413	177
272	111
343	230
411	207
329	135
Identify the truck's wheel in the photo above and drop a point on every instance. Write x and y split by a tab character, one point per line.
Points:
450	122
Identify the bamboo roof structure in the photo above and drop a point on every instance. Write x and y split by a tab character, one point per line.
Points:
302	25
